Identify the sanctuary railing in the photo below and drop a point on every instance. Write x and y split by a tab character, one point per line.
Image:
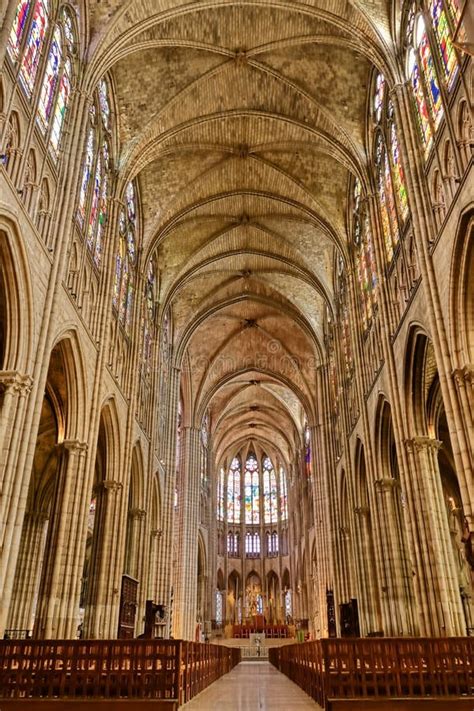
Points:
331	670
171	671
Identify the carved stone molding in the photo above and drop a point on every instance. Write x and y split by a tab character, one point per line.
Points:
111	485
75	446
386	484
362	510
417	444
464	375
137	514
12	380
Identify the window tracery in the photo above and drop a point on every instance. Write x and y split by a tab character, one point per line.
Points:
431	71
94	189
125	260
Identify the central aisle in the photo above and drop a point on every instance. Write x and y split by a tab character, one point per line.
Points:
253	686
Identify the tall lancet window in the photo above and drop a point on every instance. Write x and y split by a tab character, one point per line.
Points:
430	70
149	317
38	32
270	492
94	188
364	258
220	494
392	192
233	491
283	495
56	87
252	490
36	39
126	260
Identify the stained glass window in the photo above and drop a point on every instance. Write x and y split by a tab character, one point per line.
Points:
443	39
252	543
431	80
398	174
386	199
220	495
420	101
125	261
252	490
149	320
272	543
61	106
18	28
379	97
49	81
92	207
307	450
104	103
365	263
86	176
288	604
233	492
283	495
34	45
270	494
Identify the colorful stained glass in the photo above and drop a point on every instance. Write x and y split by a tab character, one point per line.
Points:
50	80
149	316
252	491
102	217
307	450
283	495
220	495
392	211
94	211
379	97
443	39
233	492
86	176
386	199
104	103
429	72
61	106
270	493
398	175
125	262
34	45
16	33
365	263
421	105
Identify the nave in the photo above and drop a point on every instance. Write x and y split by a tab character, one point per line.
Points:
253	686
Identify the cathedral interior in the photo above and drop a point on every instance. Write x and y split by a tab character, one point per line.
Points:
236	319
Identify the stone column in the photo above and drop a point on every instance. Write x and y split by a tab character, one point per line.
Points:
103	598
169	455
397	593
28	571
369	609
185	574
13	481
58	603
441	613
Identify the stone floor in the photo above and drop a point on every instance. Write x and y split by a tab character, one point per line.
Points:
253	686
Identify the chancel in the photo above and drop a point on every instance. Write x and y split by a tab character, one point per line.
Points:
237	354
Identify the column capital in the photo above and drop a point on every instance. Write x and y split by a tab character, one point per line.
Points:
464	374
137	514
386	484
156	533
362	510
111	485
16	382
419	443
75	446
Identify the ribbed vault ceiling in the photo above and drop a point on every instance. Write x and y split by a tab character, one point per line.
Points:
242	123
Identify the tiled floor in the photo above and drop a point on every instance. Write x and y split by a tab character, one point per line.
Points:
253	686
